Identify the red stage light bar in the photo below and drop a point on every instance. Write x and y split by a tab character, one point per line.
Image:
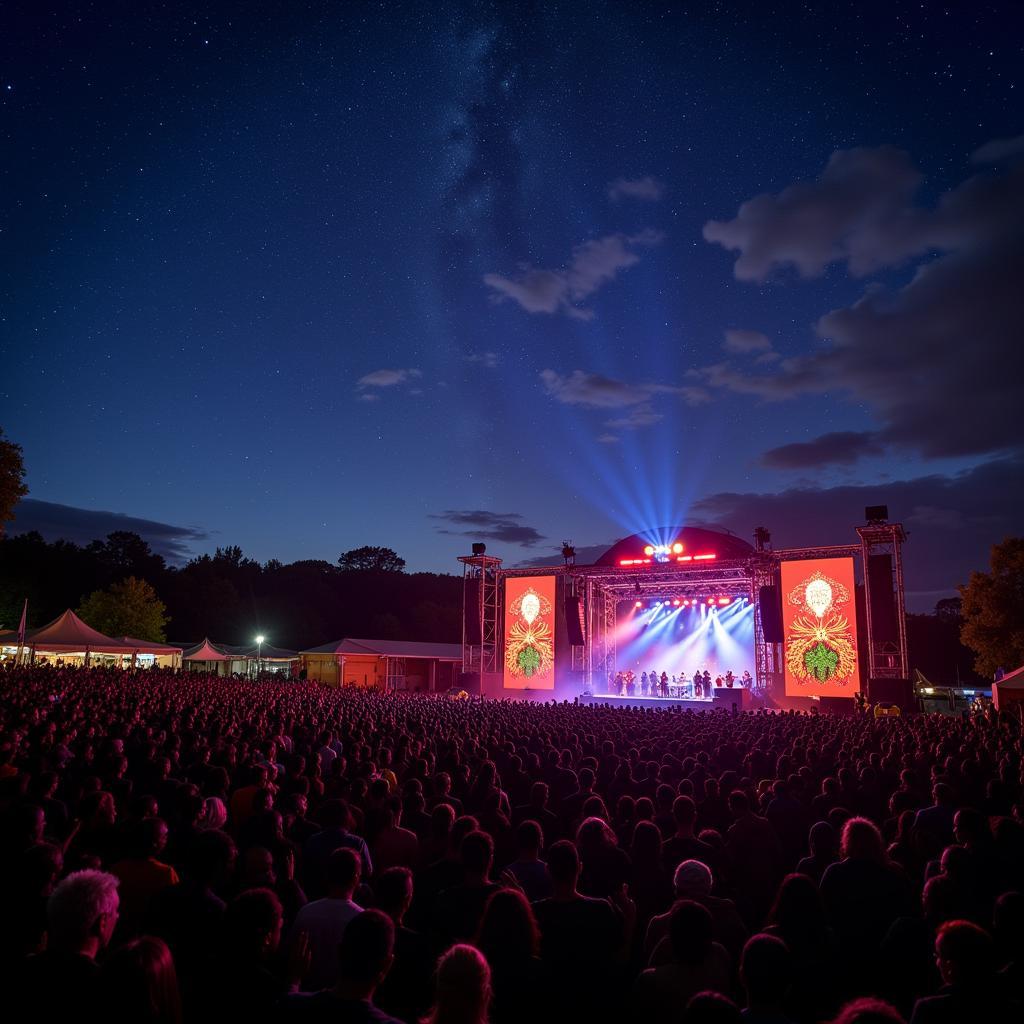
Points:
679	558
701	558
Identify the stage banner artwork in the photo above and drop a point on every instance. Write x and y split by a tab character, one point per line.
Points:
820	628
530	633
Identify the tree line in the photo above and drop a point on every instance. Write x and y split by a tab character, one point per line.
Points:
227	596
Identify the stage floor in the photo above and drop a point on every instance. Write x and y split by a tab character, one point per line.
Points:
691	703
728	698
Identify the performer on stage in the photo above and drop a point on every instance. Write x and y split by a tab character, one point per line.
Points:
730	679
643	682
746	681
664	684
707	684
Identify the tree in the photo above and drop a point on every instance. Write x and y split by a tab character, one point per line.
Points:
12	473
369	559
993	610
129	608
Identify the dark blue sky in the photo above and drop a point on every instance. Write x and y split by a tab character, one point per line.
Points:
306	276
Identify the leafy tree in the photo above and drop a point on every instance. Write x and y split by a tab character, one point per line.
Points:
128	608
12	472
993	610
125	554
369	559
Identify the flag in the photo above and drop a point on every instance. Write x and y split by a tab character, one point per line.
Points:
21	625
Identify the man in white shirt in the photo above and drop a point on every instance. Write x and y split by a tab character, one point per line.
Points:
324	921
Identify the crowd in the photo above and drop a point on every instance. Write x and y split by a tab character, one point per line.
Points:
187	848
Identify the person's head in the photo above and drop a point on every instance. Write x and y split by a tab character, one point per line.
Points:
868	1010
214	814
253	923
711	1008
344	868
797	910
822	839
366	952
392	890
529	839
942	794
646	846
765	970
539	794
739	803
140	985
564	864
690	933
692	880
81	912
476	854
863	841
684	813
463	987
963	953
211	858
593	835
508	929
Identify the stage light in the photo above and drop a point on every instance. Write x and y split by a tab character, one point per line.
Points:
648	550
724	600
639	604
677	548
711	600
677	602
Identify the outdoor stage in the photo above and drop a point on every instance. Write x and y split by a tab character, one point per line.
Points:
681	601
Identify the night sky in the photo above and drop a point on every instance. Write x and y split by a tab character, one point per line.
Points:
306	276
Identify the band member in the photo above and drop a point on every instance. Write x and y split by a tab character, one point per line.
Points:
707	683
698	685
643	682
746	681
664	684
620	684
729	678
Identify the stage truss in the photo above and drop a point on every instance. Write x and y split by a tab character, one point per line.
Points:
602	588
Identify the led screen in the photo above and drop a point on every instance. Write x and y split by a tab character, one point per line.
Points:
530	633
820	628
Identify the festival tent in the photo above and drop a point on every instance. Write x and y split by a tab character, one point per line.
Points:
206	656
384	664
1008	692
69	638
164	655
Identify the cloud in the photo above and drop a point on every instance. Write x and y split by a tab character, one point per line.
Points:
488	360
84	525
744	342
839	448
592	390
998	149
593	264
387	378
937	360
595	391
639	416
506	527
952	521
648	189
861	196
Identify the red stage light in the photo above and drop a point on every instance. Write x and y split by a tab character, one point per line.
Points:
685	558
677	602
724	600
649	550
711	600
677	548
639	604
701	558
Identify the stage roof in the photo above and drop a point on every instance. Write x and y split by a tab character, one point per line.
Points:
696	540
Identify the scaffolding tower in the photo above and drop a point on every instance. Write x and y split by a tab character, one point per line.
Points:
481	600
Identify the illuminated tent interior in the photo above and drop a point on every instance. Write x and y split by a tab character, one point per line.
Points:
390	664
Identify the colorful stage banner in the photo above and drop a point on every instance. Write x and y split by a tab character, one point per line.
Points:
529	633
820	627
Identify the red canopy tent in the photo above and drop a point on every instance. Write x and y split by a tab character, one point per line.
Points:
69	634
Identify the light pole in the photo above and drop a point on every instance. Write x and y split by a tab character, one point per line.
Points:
259	653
